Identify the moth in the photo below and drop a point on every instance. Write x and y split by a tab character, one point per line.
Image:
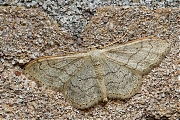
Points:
98	75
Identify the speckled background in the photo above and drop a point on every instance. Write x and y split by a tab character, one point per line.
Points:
65	27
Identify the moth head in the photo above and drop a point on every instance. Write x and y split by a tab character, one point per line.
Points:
95	47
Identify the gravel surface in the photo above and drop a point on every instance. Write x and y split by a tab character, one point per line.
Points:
73	15
62	29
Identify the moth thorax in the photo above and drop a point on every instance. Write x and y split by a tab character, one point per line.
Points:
96	57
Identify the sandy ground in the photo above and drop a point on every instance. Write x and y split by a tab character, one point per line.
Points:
26	34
